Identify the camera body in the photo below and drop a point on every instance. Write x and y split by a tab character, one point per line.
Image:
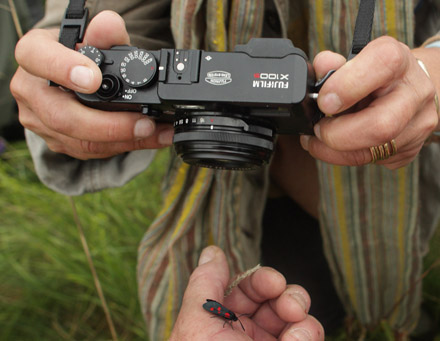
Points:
226	107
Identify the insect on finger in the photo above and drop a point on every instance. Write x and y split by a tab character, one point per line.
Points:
220	310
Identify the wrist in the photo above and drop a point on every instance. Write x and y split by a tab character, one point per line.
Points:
431	47
432	42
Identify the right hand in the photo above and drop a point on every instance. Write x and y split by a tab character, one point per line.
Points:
275	310
65	124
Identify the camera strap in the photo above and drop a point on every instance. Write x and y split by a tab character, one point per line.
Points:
363	27
74	24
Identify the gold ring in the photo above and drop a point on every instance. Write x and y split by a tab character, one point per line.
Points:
437	106
383	151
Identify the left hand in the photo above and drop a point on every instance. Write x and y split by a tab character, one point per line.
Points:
274	310
380	95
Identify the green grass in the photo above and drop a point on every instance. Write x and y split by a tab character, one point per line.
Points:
46	287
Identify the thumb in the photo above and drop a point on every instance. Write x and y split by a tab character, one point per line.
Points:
208	281
210	278
40	53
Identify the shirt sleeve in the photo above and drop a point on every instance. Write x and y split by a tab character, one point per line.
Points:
148	24
71	176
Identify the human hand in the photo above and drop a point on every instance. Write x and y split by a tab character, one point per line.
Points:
274	310
384	95
66	125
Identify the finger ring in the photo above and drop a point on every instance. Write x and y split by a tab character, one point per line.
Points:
437	106
383	151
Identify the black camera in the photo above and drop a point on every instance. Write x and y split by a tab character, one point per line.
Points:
226	107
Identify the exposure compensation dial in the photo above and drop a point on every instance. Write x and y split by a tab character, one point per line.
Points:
138	68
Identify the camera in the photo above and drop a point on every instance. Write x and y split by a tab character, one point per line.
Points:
226	107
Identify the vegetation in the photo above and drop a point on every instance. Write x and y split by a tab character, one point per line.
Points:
47	290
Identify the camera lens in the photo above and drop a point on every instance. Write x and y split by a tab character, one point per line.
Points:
110	87
213	140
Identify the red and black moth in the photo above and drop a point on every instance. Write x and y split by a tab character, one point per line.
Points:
220	310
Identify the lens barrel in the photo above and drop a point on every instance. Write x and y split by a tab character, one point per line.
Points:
214	140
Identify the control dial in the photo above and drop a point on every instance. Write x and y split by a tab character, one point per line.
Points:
93	53
138	68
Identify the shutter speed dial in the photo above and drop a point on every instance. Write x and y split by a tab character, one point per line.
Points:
138	68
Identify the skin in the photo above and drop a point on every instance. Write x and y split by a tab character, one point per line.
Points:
66	125
380	95
275	311
396	100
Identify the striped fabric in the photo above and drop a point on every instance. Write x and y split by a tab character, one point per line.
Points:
368	214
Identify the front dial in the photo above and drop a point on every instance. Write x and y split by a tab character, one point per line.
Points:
138	68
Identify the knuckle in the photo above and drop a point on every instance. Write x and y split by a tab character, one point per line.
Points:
15	88
431	122
24	118
56	121
114	130
360	157
426	93
392	54
21	48
385	128
89	147
140	144
16	85
24	44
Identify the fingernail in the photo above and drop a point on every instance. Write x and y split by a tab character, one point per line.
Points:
165	137
317	130
331	103
207	255
304	140
143	128
301	300
300	334
81	76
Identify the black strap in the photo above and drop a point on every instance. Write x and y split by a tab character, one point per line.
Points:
75	21
363	27
73	25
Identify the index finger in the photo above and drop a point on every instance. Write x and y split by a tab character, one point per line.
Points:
40	53
376	66
262	285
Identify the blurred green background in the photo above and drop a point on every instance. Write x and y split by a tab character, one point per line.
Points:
26	13
47	291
